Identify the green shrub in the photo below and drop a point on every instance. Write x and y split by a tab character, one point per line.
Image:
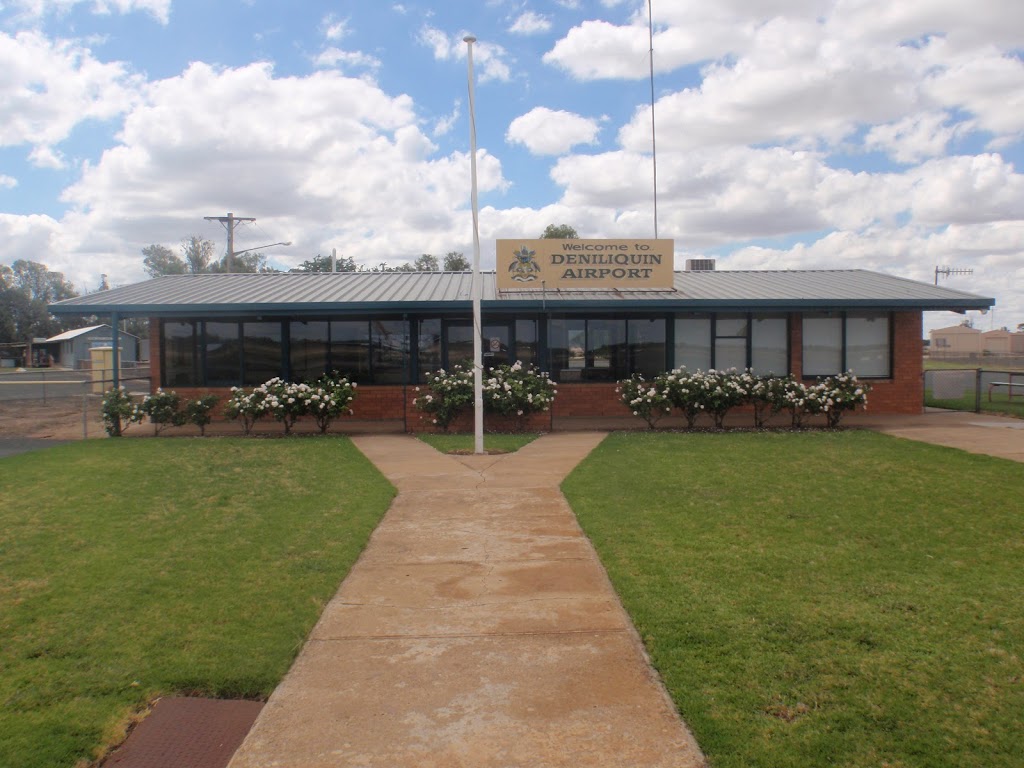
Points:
647	399
448	394
163	409
119	411
517	391
200	411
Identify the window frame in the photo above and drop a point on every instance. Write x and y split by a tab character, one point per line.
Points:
843	317
711	342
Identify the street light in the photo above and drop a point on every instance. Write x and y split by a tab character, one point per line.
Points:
232	254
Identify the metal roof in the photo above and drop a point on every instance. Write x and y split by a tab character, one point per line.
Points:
74	334
313	293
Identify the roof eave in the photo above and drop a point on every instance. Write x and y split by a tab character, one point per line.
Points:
537	304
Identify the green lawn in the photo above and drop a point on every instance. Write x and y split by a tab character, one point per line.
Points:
819	599
465	443
131	569
932	364
1001	404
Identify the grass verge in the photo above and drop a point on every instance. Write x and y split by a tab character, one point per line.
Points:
133	569
464	443
1000	405
823	598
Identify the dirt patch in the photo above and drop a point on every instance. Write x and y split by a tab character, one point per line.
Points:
56	418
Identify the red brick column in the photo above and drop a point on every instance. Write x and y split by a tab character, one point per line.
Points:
155	353
796	344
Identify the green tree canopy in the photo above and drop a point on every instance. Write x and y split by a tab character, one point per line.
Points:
26	289
323	264
560	232
454	261
427	263
198	257
159	260
198	254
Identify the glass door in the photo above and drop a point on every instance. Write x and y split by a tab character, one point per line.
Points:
497	339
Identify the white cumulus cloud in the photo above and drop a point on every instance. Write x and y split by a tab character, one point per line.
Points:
545	131
50	86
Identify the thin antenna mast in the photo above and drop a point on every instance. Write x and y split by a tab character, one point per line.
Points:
654	143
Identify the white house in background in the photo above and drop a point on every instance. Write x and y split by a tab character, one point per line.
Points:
1003	342
955	341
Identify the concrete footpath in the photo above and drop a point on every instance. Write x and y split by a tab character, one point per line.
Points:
1000	436
477	629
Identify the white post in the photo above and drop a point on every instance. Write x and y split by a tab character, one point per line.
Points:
478	387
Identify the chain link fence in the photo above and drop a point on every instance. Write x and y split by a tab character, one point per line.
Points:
42	384
979	390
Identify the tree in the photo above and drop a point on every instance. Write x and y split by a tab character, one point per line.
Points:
242	262
26	290
198	254
159	261
454	261
560	232
1020	327
426	263
197	258
323	264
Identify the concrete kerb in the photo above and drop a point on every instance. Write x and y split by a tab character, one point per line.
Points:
477	629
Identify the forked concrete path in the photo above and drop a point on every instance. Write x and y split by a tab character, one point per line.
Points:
477	629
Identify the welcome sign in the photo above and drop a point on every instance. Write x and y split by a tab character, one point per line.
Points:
551	264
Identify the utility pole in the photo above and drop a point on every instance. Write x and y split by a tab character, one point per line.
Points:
947	271
230	221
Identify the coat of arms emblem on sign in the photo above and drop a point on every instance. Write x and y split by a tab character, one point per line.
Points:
524	268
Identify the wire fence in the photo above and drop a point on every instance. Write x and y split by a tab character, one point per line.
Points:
59	398
979	390
46	384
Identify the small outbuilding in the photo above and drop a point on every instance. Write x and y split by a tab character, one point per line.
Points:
71	348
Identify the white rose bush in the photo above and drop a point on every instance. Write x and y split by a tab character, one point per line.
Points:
163	408
718	392
514	391
325	400
647	399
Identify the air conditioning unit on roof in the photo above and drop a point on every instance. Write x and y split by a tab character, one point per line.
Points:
700	265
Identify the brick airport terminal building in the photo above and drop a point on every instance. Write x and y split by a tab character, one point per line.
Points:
588	312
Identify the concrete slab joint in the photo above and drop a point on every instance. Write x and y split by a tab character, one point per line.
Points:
477	629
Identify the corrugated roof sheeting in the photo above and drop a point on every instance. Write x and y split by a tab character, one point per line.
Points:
403	290
802	285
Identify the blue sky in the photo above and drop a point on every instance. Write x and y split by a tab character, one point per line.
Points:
791	133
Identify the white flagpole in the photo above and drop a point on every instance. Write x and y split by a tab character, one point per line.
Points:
478	388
